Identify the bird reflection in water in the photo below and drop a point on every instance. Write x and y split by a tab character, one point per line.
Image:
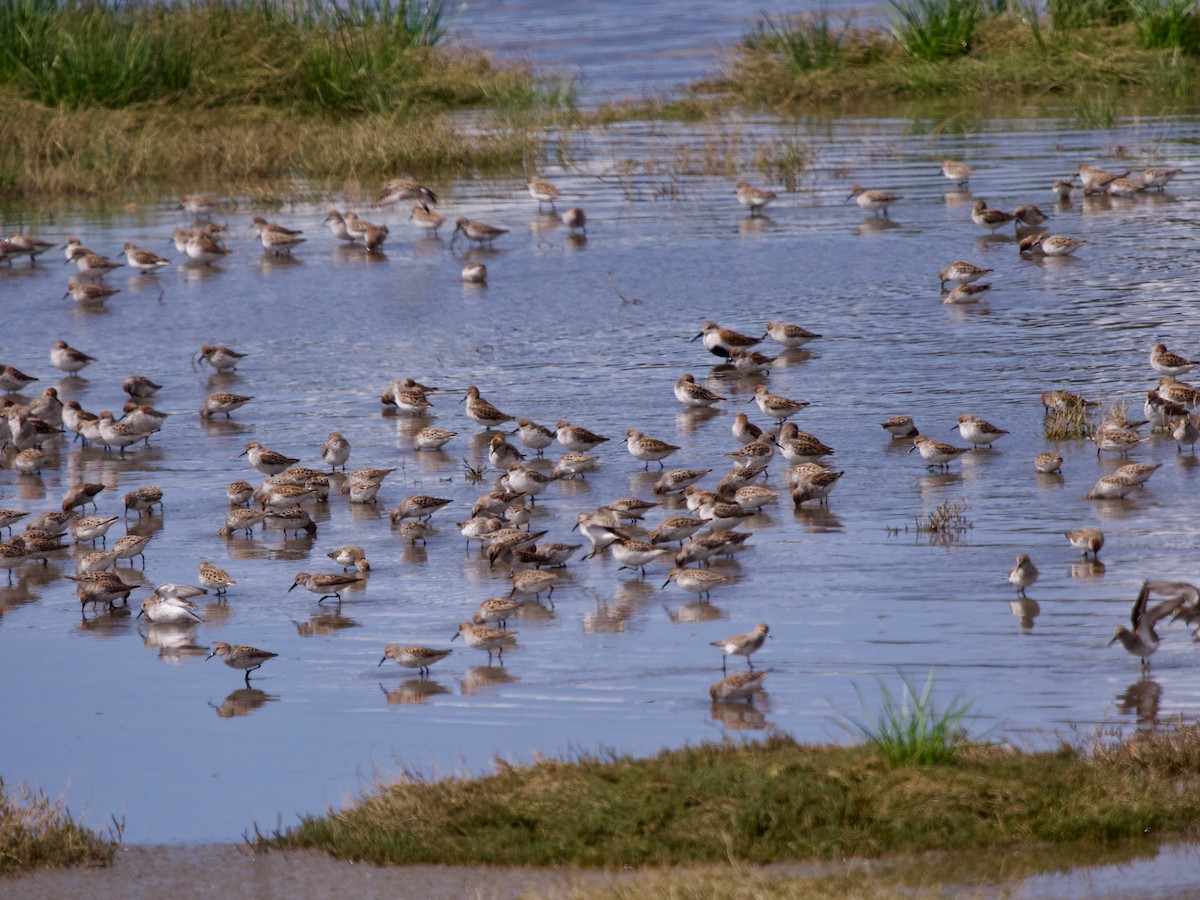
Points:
175	643
1141	699
1087	568
324	623
108	623
737	715
696	611
479	679
1025	610
242	702
413	692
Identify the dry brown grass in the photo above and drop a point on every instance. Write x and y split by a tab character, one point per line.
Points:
36	832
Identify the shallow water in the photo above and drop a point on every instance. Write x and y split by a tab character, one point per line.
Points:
106	714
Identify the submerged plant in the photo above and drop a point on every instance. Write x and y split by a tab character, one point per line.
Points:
909	728
934	30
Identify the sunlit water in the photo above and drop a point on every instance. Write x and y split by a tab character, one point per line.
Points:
597	332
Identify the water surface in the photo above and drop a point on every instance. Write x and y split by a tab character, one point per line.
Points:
597	332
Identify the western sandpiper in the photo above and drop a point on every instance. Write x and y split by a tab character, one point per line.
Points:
977	432
432	438
276	238
754	199
88	292
92	528
1028	215
239	656
144	499
220	358
576	438
67	359
267	461
936	453
1089	540
1062	188
326	584
575	219
1112	487
412	656
742	645
542	191
635	554
92	264
215	577
900	427
426	219
350	557
1143	640
482	411
417	506
966	294
719	341
1023	574
1157	179
689	393
482	637
876	202
648	449
790	337
697	581
1178	392
477	232
1095	179
1048	462
496	611
1113	439
775	406
815	486
1065	400
1164	362
961	272
335	451
675	480
1186	434
800	446
986	217
222	402
745	431
534	436
1124	187
405	188
958	172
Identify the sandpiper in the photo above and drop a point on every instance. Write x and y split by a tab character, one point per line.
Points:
1112	487
335	451
144	499
481	637
239	656
719	341
754	199
222	402
986	217
496	611
742	645
477	232
412	656
1023	574
576	221
1089	540
327	584
350	557
1143	640
417	506
405	188
961	272
1157	179
697	581
977	432
775	406
674	480
67	359
876	202
534	436
542	191
648	449
576	438
936	453
88	292
900	427
1048	462
1164	362
482	411
689	393
220	358
790	337
426	219
169	611
215	577
433	438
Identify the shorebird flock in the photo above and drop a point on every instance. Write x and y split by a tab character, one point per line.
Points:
690	518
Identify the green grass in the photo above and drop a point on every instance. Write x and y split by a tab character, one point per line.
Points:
909	728
36	832
934	30
1009	55
771	802
1167	24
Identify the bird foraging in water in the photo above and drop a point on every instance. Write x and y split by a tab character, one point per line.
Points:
1143	640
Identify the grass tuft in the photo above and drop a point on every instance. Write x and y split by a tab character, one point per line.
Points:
1167	24
36	832
804	43
934	30
909	729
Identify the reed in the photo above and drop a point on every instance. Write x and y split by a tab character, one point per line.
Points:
804	42
36	832
1167	24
